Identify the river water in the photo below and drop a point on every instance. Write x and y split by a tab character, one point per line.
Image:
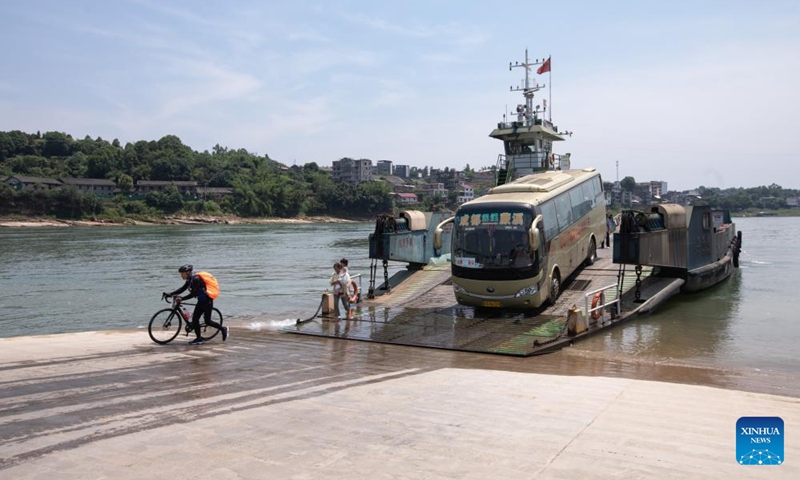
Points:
56	280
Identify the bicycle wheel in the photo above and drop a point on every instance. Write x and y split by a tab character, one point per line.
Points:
206	331
164	326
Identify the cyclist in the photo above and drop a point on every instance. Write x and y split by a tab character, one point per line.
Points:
197	289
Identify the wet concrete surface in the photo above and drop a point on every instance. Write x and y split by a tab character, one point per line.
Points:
421	310
68	396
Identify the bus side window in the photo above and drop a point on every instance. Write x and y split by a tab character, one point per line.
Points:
563	211
589	196
598	190
578	205
549	219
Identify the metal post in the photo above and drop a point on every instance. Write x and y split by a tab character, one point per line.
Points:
386	276
373	270
638	293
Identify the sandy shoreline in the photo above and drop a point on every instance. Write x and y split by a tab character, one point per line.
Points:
30	222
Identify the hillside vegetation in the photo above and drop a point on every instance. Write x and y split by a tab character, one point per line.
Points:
261	186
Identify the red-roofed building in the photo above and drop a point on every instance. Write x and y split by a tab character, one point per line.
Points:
406	198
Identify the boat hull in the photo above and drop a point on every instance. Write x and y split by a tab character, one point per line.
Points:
709	275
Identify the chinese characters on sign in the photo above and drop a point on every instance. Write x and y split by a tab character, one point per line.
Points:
406	242
494	218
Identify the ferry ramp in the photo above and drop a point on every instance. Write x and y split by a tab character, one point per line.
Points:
422	311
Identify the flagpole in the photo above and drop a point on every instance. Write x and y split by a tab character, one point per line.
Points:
550	86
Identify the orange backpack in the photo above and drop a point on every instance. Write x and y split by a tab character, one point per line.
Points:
212	287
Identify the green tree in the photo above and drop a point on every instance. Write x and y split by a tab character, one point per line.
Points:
57	144
23	144
7	195
125	183
628	184
76	165
169	201
165	168
31	165
7	148
102	161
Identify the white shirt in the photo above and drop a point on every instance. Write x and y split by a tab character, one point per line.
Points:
344	282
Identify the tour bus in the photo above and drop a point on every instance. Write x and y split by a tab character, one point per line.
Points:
513	247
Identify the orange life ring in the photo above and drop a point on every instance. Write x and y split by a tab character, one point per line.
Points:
599	299
354	297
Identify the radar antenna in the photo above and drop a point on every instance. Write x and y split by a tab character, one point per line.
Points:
527	112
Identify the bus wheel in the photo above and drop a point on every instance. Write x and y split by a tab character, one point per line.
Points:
555	287
591	257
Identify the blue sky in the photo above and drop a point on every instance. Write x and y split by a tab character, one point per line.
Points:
692	93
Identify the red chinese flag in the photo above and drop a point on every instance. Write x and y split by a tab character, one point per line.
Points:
545	67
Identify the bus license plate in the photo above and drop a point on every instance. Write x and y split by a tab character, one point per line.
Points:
490	303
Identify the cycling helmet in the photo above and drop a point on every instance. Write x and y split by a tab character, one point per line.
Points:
185	268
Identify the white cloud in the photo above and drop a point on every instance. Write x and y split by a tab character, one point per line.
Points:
205	83
380	24
178	13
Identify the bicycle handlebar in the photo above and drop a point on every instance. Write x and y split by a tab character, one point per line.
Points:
167	298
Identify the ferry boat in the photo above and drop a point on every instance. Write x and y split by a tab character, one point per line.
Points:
697	243
517	271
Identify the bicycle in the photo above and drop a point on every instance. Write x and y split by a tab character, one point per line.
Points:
167	324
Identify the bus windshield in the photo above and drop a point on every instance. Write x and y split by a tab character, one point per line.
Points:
493	240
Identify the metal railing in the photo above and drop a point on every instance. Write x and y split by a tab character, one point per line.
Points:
358	276
601	306
513	166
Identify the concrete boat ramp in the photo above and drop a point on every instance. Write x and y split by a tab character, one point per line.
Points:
266	405
421	311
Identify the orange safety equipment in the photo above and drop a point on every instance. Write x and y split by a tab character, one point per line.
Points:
212	286
354	297
599	299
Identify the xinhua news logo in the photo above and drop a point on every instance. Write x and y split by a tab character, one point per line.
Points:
759	441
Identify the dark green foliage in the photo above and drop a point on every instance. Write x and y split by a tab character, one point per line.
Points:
262	186
125	183
7	195
66	202
628	183
169	201
57	144
6	146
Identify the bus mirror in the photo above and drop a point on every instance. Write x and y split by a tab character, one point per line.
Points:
437	234
534	233
534	239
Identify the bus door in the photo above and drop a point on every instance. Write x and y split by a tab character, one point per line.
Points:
548	230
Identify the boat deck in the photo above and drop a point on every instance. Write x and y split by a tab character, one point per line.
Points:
422	311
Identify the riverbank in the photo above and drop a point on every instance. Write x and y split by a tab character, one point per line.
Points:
33	222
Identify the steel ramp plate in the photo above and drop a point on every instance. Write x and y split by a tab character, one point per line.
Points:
453	328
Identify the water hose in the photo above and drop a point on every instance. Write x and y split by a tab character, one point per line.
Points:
312	317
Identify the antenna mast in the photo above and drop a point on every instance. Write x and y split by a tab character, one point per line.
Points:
527	111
